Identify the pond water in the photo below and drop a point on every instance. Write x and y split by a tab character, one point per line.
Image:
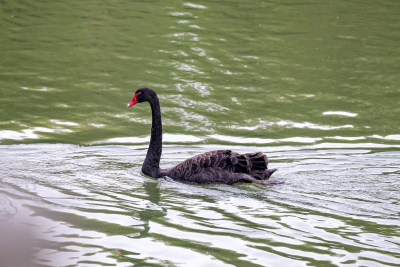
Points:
313	84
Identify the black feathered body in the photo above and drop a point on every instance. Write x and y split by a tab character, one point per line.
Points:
221	166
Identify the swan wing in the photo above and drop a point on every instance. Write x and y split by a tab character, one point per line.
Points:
223	166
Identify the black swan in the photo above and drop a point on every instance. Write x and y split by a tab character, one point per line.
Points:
220	166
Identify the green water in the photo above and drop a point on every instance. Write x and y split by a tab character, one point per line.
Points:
314	84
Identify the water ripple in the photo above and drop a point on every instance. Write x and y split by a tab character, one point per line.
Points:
87	200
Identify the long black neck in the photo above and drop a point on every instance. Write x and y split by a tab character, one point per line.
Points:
151	165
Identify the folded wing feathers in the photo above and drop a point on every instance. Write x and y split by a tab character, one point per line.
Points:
213	162
231	161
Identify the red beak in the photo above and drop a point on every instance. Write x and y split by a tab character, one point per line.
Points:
133	101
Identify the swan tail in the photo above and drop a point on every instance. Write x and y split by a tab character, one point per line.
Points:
255	164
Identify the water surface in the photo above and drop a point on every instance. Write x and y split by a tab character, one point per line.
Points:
314	85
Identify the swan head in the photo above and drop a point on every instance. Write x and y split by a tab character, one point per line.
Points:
142	95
